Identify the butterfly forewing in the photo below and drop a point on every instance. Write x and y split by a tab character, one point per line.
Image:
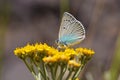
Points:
67	20
71	30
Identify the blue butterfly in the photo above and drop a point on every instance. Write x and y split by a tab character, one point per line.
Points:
71	31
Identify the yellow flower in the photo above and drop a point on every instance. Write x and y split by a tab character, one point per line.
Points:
61	57
41	47
44	48
19	52
58	57
67	59
29	48
85	51
70	52
51	54
49	59
73	63
75	79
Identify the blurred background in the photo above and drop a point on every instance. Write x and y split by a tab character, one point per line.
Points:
31	21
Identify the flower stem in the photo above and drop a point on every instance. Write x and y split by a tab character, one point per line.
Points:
69	74
77	73
63	70
44	70
33	73
52	73
56	68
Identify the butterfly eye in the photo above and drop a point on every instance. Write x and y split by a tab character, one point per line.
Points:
63	27
57	41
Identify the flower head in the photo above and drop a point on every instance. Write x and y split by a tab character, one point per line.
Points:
42	57
85	51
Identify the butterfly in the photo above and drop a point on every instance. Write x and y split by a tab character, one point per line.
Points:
71	31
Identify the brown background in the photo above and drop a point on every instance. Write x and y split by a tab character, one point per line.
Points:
31	21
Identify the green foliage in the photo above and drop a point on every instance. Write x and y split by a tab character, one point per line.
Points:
4	16
113	72
64	6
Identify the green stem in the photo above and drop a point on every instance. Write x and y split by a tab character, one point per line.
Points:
44	70
77	73
56	67
74	74
39	76
61	73
30	68
63	70
69	74
52	72
64	6
39	70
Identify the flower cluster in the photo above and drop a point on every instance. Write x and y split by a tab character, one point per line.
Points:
48	63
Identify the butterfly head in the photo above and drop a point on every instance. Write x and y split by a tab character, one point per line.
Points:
60	44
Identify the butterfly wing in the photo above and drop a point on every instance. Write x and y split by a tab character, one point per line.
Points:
66	21
71	30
